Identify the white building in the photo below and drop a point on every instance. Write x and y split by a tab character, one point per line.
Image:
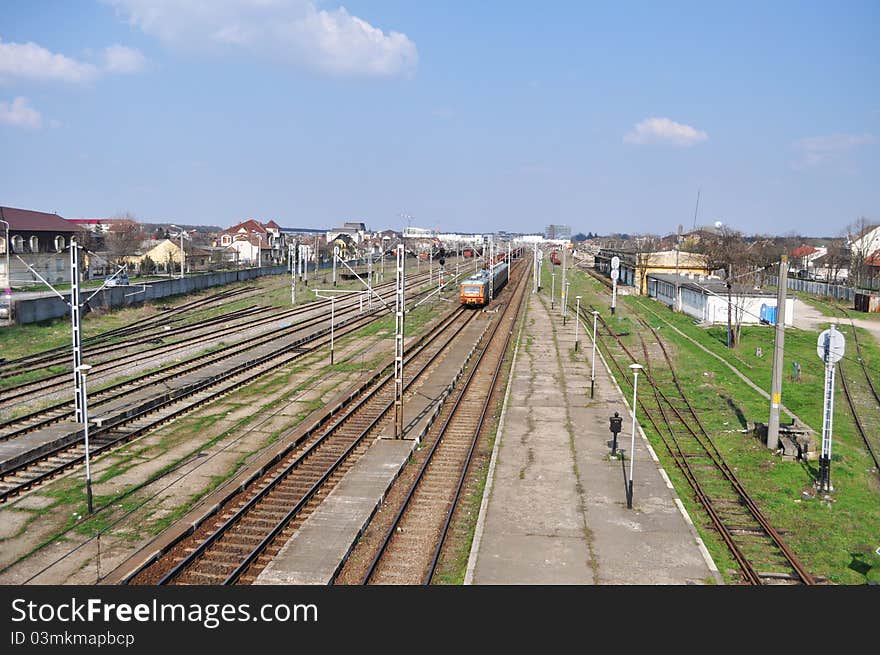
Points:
706	300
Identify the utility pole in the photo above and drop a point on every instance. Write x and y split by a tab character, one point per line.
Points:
399	311
76	330
729	307
778	352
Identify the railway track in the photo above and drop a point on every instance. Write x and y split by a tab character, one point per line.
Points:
861	397
761	554
61	354
133	421
192	335
232	545
413	541
102	396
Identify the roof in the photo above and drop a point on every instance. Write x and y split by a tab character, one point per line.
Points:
248	225
803	251
710	286
33	221
273	224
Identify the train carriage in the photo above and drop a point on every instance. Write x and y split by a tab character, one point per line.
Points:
474	291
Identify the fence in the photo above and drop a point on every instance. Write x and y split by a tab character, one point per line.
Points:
819	288
34	310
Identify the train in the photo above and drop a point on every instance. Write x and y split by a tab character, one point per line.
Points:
554	258
474	291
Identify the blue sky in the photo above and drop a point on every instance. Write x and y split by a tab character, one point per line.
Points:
467	116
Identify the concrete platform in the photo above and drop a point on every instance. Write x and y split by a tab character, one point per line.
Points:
554	510
315	553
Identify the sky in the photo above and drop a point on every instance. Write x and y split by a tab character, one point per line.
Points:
453	115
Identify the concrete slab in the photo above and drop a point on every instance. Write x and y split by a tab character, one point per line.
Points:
554	510
315	552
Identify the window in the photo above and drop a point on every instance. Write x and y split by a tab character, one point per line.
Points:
35	244
225	240
59	243
59	263
17	243
2	245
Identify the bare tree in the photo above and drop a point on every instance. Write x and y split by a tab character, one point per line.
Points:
124	238
643	246
862	245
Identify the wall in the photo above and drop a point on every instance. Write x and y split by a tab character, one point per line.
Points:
43	309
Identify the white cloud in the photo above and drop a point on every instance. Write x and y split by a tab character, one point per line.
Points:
19	114
664	131
330	42
816	150
30	61
124	60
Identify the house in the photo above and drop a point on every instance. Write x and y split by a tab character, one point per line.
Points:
165	256
40	239
259	242
356	231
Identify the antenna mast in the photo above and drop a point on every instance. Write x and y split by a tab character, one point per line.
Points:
696	209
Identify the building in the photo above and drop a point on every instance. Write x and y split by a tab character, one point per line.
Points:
705	300
357	232
41	240
557	232
251	242
635	266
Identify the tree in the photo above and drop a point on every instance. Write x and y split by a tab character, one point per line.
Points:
643	245
148	266
124	238
862	245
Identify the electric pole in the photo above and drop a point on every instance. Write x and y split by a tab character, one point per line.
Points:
778	352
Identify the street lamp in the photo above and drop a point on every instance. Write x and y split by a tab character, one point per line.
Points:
635	368
82	369
577	320
182	255
593	367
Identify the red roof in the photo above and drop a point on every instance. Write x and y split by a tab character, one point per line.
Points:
273	224
32	221
249	225
803	251
873	259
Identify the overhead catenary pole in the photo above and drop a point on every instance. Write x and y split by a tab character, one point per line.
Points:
552	288
577	321
291	256
399	315
778	353
76	331
335	257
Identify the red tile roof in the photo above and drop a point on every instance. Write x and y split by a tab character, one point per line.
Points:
32	221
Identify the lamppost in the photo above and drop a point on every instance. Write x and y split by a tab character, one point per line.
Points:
577	320
182	255
552	289
593	367
635	368
82	369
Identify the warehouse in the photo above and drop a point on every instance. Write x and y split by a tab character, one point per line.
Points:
705	299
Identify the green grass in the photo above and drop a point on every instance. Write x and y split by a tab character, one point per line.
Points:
834	539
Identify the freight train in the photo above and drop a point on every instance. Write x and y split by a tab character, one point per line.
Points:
475	289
